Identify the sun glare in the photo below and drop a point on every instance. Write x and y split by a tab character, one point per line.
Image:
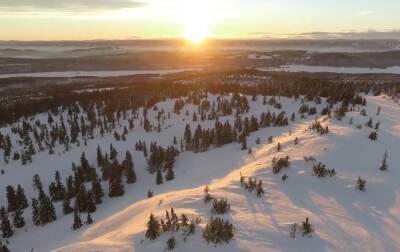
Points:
196	21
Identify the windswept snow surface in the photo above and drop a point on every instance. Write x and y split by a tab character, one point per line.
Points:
344	219
70	74
330	69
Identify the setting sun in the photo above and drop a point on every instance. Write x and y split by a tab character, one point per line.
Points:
196	21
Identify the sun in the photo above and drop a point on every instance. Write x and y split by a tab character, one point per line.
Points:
195	31
196	21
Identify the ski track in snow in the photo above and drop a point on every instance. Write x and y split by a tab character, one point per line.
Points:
345	220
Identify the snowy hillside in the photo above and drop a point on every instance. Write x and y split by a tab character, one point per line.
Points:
343	218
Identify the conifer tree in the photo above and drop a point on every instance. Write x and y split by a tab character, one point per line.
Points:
159	177
244	144
67	209
100	158
361	184
89	219
259	189
35	212
22	201
153	228
128	167
12	199
18	219
82	199
384	165
91	206
116	188
97	191
5	224
47	212
171	243
77	219
170	175
307	227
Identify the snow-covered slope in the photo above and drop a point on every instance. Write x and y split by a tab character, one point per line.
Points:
344	219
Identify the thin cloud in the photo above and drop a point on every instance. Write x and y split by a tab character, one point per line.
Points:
40	6
365	13
352	34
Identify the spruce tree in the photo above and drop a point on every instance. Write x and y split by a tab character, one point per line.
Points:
307	227
116	188
91	206
82	199
5	224
361	184
97	191
18	219
35	212
89	219
244	144
77	219
171	243
128	167
100	158
384	165
170	175
153	228
159	177
67	209
22	201
12	199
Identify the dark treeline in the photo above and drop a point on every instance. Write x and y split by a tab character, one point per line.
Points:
149	93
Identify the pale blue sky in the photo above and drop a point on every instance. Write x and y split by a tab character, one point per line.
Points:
121	19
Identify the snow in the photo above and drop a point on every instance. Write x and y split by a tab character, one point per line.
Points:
70	74
330	69
344	219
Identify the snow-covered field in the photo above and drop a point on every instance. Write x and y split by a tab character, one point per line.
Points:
344	219
329	69
70	74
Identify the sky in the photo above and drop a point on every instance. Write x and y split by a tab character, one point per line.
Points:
196	19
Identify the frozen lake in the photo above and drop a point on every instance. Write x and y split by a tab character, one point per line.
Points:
329	69
69	74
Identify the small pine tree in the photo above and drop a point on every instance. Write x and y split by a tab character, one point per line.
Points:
170	175
278	147
220	206
307	227
384	165
171	243
67	209
373	136
22	201
5	224
159	177
259	189
18	219
89	219
361	184
77	219
97	191
218	231
244	144
153	228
